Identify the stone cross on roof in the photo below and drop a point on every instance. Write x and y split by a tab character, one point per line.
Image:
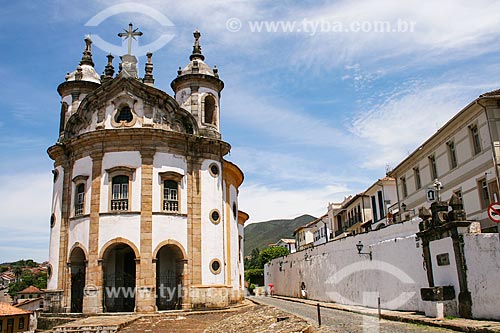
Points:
130	34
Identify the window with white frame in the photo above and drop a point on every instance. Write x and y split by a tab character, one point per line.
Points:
452	154
418	180
476	140
433	167
119	198
404	188
170	196
79	199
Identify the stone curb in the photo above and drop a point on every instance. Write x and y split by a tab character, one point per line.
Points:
412	318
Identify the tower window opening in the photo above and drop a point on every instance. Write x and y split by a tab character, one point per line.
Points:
209	110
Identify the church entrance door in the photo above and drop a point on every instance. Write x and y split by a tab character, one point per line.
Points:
77	263
169	273
119	278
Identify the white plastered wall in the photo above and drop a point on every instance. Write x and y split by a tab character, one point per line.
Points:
55	232
213	237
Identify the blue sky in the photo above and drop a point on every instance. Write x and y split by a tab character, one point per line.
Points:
312	117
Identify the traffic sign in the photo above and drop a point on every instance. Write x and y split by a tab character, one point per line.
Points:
494	212
431	194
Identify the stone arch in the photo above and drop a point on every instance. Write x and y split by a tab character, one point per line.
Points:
78	245
116	241
170	242
170	274
77	261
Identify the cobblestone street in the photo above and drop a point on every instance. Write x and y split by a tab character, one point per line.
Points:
342	321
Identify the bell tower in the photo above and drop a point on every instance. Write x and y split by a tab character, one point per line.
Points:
197	89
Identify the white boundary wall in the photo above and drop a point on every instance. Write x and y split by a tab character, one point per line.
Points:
335	272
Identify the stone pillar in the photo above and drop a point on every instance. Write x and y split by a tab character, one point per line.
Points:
145	284
64	277
193	273
186	304
93	294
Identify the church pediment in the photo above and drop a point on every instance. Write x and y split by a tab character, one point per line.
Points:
126	102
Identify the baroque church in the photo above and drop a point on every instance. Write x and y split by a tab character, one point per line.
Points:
145	206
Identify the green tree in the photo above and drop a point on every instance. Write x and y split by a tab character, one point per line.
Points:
253	260
271	253
27	279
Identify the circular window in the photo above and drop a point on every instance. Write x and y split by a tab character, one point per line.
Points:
214	169
52	221
235	211
215	216
215	266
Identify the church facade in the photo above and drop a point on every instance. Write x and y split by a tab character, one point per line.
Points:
145	206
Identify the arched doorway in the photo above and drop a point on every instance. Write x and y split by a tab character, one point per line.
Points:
119	278
77	263
169	274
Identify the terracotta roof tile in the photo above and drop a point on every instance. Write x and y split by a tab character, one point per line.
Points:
30	290
9	310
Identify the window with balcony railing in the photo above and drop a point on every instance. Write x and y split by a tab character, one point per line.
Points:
170	196
79	199
119	199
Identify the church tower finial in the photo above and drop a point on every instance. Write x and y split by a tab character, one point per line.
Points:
87	54
196	47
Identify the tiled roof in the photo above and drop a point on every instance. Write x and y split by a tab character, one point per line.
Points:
26	301
30	290
9	310
288	240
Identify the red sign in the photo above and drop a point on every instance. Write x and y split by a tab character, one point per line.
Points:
494	212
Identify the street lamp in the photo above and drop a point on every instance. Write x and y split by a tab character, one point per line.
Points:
360	246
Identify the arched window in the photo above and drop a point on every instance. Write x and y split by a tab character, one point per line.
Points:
119	196
125	114
62	121
79	199
170	196
210	110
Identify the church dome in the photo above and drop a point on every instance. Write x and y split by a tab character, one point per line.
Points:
85	70
197	64
88	73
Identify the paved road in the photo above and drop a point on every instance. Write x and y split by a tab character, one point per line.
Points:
342	321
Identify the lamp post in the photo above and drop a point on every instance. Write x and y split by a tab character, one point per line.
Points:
360	246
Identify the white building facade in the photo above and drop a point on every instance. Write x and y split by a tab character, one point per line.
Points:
143	198
463	155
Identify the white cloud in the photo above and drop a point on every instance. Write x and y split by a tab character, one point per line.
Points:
279	119
264	203
25	212
401	123
444	30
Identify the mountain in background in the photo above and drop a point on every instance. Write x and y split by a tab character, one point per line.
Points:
261	234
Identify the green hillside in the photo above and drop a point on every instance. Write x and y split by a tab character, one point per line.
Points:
261	234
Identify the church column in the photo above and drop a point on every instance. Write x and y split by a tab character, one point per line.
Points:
194	226
93	295
145	294
65	278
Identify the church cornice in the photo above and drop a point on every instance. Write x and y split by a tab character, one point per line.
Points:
138	139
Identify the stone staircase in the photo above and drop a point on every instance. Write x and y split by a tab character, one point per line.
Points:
97	324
